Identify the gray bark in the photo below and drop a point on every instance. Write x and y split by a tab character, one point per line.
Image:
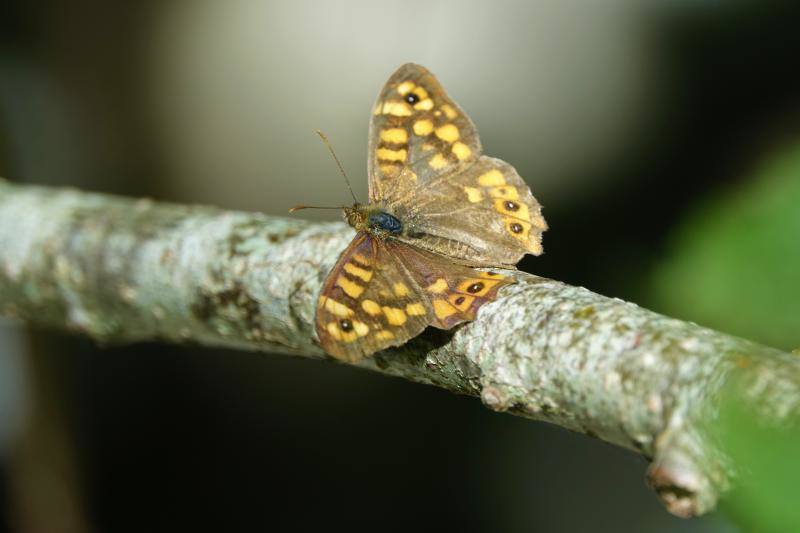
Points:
122	270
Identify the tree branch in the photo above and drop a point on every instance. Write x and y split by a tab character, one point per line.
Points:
122	270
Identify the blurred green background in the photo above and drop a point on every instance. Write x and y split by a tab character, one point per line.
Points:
661	137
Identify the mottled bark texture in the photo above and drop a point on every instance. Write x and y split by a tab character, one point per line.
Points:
122	270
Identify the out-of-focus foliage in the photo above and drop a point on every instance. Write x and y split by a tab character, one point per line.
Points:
765	499
734	265
735	262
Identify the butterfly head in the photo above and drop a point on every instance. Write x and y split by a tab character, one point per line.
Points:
356	216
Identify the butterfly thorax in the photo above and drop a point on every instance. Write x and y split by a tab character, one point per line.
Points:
373	219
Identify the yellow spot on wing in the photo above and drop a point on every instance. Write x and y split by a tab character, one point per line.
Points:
474	194
424	105
394	315
390	155
492	275
400	289
360	328
384	335
514	209
337	308
507	192
351	288
423	127
443	309
371	307
449	111
437	287
333	329
447	133
416	309
352	269
438	161
396	108
461	150
493	178
364	260
421	92
394	135
405	87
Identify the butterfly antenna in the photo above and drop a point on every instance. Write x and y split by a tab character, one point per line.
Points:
341	168
299	207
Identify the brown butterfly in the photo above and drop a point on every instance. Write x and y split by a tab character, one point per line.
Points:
437	208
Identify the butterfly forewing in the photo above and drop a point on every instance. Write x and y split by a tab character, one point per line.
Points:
369	302
417	133
484	215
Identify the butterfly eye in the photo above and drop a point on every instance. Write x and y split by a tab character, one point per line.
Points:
412	98
475	287
511	206
346	325
516	227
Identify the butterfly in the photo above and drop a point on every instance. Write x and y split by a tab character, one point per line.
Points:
437	209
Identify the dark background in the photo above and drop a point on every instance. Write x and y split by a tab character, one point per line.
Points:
622	118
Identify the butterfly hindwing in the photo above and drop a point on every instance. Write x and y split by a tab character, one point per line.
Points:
453	292
483	215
